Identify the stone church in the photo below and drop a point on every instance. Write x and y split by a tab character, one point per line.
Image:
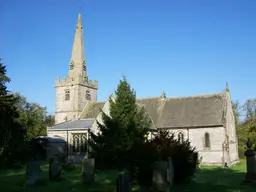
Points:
207	121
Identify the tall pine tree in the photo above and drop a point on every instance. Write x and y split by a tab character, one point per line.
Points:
122	131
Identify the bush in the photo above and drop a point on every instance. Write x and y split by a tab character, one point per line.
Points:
184	158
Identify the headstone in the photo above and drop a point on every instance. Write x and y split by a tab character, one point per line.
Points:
54	168
250	175
170	172
162	176
123	183
200	162
33	171
88	171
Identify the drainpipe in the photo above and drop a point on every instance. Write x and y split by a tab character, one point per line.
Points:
188	134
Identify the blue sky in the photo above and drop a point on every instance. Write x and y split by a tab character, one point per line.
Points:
183	47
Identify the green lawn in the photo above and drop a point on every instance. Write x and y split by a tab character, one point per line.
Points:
209	179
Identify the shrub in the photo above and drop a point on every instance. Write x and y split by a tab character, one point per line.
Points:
164	145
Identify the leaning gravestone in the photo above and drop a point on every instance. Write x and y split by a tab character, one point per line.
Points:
33	171
54	168
88	171
123	183
162	176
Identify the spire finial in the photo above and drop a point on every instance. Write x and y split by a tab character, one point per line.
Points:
163	96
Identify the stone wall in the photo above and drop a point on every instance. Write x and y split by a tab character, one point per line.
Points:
67	135
70	109
234	158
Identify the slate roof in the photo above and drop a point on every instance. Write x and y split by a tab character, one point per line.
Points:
194	111
73	125
92	110
204	110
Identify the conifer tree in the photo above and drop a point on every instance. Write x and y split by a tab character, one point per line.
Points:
11	132
122	131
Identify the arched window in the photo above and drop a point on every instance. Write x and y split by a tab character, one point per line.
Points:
79	142
75	143
181	137
207	143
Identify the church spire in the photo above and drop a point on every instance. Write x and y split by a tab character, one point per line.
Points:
227	87
77	62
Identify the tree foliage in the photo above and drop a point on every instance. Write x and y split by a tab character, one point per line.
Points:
122	131
19	122
246	128
164	145
33	117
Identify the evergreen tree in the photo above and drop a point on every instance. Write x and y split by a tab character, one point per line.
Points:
122	131
11	132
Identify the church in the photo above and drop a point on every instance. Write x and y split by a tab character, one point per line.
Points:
207	121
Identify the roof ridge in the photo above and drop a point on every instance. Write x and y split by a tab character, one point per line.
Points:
197	96
157	97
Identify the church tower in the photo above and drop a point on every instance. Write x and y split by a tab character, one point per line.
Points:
76	90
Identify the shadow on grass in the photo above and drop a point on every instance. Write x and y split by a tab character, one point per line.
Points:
216	180
209	179
14	180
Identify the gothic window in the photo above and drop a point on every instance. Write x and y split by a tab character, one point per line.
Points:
72	65
79	142
181	137
88	95
67	95
207	143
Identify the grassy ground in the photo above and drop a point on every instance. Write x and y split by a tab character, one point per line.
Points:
209	179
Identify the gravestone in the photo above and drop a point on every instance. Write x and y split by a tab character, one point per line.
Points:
250	175
200	162
163	173
170	172
123	183
54	167
33	171
88	171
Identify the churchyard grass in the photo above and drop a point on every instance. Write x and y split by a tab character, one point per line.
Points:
210	179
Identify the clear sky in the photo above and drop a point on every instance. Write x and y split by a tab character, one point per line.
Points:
183	47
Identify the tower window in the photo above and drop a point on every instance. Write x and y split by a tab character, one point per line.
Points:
88	95
67	95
